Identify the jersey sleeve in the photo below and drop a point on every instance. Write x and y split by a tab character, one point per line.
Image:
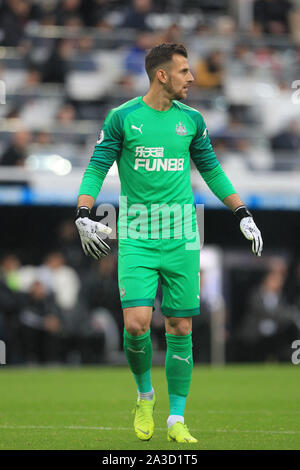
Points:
201	150
205	159
106	151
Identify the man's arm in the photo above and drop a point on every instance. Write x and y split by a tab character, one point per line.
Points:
233	201
106	151
210	169
85	201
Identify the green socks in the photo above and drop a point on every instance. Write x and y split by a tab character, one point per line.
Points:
138	350
179	367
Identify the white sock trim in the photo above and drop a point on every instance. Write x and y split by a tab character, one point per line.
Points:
172	419
146	396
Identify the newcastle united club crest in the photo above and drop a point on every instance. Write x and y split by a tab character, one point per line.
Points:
180	129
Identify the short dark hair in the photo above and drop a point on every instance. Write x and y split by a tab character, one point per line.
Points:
161	54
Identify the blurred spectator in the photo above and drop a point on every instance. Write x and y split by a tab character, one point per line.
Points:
135	59
287	139
67	9
293	285
42	138
241	61
16	152
14	15
97	327
209	71
62	280
135	77
136	15
10	302
225	26
270	323
94	11
172	34
202	327
66	114
69	245
73	23
57	66
9	269
84	57
100	287
272	16
103	325
295	25
267	60
33	78
41	326
267	107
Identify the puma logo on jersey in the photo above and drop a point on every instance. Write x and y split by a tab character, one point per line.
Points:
185	359
137	128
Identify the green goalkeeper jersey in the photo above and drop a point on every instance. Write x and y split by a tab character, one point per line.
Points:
152	150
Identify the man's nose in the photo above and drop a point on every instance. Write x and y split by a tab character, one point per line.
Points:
191	78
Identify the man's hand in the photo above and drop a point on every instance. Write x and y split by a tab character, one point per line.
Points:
90	234
249	229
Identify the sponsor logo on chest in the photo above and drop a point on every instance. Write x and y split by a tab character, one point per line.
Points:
152	159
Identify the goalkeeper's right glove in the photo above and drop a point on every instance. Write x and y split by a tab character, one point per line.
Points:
249	229
90	234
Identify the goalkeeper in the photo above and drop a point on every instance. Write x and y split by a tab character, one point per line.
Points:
152	139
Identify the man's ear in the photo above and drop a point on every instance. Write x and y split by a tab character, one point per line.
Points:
162	75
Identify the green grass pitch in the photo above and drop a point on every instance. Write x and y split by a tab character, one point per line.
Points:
235	407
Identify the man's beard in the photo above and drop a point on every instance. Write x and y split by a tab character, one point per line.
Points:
173	95
178	96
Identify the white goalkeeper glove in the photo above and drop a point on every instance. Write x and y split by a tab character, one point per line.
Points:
249	229
90	234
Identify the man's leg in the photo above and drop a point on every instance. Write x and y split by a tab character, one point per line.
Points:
179	367
138	350
138	346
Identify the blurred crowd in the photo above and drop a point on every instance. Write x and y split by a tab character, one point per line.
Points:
271	321
66	308
88	56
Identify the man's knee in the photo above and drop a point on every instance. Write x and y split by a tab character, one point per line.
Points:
178	326
136	328
137	320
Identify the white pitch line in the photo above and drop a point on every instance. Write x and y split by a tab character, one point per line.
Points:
160	412
103	428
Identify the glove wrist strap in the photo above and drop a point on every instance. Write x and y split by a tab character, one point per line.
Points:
82	212
241	212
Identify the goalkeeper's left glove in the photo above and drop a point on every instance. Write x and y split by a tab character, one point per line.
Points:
249	229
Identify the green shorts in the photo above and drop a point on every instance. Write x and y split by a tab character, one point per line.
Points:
141	264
